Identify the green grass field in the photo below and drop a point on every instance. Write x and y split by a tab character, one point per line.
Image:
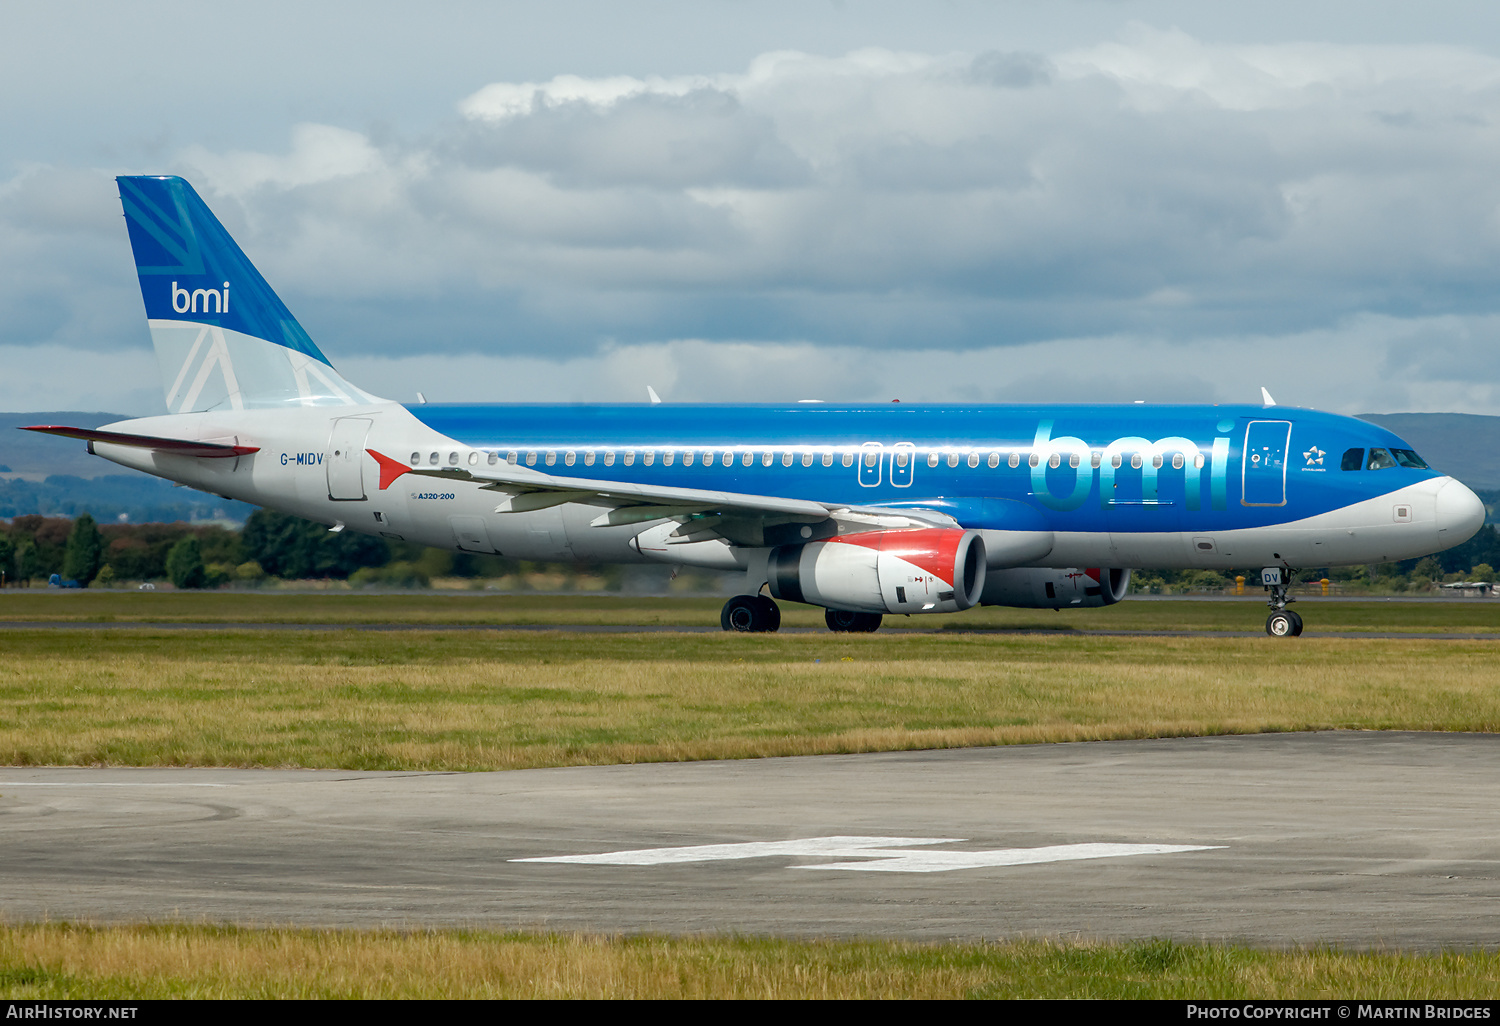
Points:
479	700
439	608
180	961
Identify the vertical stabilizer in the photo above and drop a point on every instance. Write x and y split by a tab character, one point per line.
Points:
223	338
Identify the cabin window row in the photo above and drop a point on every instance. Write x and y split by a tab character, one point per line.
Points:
728	457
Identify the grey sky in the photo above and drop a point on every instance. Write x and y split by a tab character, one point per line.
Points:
1058	201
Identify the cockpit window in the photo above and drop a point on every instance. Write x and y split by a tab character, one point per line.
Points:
1380	459
1354	459
1407	458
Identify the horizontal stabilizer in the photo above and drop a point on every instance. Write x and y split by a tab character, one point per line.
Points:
176	446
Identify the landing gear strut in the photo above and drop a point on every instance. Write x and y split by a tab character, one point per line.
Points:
1282	623
753	614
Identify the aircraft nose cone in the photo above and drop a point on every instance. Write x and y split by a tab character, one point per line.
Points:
1459	513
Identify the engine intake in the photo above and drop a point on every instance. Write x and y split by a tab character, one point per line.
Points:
928	570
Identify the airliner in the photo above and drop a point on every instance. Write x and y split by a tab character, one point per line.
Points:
866	510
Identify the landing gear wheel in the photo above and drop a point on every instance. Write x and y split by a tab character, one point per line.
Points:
1283	624
752	614
771	613
845	622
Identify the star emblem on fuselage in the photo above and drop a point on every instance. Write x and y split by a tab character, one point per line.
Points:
1314	456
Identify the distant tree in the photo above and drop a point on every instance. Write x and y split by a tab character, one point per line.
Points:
290	547
84	554
8	558
185	563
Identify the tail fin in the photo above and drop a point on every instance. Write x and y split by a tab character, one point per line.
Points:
210	311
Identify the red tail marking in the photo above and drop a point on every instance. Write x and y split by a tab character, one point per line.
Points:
389	469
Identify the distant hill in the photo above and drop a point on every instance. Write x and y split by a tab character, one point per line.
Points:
35	456
1465	445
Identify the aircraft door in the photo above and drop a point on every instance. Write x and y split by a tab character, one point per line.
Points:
903	463
1263	463
345	459
871	459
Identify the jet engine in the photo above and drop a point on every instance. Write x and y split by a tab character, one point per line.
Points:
928	570
1032	588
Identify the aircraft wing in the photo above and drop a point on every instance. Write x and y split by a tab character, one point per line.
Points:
176	446
737	516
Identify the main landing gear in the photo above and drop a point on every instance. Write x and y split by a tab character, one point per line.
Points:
844	622
755	614
1282	623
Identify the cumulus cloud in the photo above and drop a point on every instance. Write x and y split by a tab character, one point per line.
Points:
1144	216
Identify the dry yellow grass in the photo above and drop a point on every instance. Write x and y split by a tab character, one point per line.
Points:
454	701
168	961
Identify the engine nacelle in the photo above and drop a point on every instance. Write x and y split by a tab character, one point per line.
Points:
1031	588
929	570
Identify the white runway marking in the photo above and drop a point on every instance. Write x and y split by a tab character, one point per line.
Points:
883	854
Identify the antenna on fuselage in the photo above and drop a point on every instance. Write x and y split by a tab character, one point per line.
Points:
1266	397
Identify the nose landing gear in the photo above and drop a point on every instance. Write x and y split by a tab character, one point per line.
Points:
1282	623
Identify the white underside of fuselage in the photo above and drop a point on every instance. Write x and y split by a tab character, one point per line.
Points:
305	478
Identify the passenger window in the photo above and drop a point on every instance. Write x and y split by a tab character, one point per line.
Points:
994	460
588	458
629	457
648	457
848	458
932	459
1354	459
728	459
1034	460
767	457
870	458
827	457
1114	461
432	460
1135	461
748	458
1073	461
570	457
1015	460
902	458
668	457
530	458
473	459
416	458
511	457
1177	461
1095	458
973	460
1379	460
1054	461
551	457
687	458
1198	461
952	459
786	458
453	459
807	458
609	458
494	458
1156	461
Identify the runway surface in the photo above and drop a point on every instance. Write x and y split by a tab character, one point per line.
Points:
111	625
1350	838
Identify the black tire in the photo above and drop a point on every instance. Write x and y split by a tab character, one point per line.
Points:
1296	623
1281	624
750	614
844	621
770	614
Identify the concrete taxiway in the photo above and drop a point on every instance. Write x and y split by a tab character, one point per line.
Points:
1349	838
